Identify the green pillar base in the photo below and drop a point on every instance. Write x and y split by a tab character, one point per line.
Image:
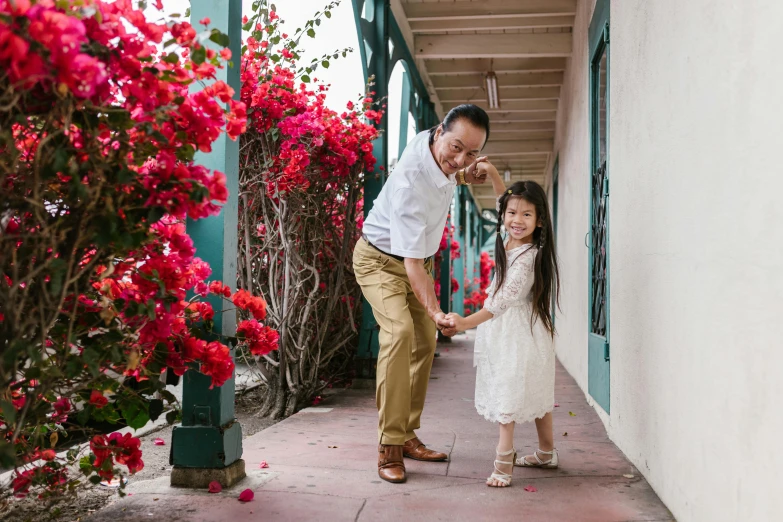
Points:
212	447
199	478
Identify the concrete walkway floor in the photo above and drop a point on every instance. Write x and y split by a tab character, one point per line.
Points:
322	466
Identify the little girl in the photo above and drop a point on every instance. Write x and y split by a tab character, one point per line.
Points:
514	355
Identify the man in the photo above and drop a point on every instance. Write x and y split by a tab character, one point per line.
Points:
393	265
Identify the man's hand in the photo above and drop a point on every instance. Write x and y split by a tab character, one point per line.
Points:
477	172
442	321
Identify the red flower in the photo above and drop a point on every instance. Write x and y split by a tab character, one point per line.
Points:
217	363
61	408
260	339
98	400
205	21
218	288
255	305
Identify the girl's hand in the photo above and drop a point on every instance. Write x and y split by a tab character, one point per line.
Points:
458	320
477	172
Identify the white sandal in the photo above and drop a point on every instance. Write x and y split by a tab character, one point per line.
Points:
546	464
503	478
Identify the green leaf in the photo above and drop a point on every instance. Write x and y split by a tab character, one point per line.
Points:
219	38
172	416
247	26
85	464
7	455
170	398
95	479
318	22
325	63
9	412
171	58
305	78
135	414
311	33
156	408
328	14
199	54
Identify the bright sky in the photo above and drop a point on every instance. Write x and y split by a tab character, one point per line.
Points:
338	32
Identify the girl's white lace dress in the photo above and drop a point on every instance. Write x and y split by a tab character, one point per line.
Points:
515	365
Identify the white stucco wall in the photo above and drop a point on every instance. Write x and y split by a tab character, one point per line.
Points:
572	145
696	255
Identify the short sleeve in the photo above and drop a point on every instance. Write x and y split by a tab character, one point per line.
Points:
408	227
516	287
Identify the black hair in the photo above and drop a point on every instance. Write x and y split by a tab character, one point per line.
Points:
472	113
547	276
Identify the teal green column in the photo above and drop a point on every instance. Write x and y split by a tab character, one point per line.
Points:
405	108
210	436
458	297
374	48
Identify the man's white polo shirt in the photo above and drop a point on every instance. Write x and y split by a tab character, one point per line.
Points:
408	217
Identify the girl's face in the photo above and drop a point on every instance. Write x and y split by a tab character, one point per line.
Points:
520	220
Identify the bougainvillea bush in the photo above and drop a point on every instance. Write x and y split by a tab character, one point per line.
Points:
301	172
99	124
476	290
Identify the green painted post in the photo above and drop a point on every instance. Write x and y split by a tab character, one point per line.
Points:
374	47
458	297
405	108
208	445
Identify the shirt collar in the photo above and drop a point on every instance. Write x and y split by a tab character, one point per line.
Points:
432	167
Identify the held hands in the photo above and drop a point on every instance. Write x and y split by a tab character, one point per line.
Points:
477	172
458	321
444	324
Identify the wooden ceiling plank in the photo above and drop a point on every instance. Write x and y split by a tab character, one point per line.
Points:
436	26
493	45
488	9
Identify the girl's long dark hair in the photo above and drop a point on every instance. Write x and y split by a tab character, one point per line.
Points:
547	276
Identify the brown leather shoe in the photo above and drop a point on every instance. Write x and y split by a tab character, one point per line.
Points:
391	468
416	450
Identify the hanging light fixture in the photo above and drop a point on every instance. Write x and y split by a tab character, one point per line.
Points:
492	90
507	176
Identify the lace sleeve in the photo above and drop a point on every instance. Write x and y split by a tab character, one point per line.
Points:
497	205
516	287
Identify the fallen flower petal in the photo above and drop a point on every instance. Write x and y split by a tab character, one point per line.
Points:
263	464
572	414
557	405
531	489
215	487
159	442
246	496
628	476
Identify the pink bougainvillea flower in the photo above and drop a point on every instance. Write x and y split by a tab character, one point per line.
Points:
159	442
531	489
98	400
557	405
246	496
263	464
215	487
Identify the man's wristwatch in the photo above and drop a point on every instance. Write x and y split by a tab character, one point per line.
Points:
461	177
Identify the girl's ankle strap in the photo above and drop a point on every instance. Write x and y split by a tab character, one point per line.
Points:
546	452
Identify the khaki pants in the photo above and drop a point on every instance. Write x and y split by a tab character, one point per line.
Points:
407	342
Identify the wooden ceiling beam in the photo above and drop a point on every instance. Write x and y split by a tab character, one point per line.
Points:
528	45
499	116
512	105
435	26
501	65
417	12
509	93
517	148
505	81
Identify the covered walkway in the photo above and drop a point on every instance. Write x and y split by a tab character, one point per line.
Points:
322	466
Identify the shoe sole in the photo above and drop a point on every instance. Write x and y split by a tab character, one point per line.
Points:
399	481
425	460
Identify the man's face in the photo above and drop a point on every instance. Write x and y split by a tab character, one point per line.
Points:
459	147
